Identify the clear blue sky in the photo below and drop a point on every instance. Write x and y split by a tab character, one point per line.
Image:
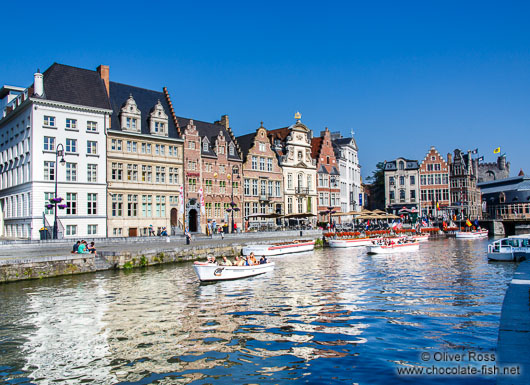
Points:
403	75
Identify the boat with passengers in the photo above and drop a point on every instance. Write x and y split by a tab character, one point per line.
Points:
279	248
208	271
393	245
514	248
478	234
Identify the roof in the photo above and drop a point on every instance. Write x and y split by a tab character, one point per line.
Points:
322	170
410	164
334	171
316	143
245	143
145	100
6	90
516	183
280	133
345	142
74	85
210	131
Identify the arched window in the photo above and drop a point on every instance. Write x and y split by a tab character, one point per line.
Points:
401	165
502	197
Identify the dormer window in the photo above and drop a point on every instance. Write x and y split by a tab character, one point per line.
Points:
158	120
231	149
221	149
130	116
205	145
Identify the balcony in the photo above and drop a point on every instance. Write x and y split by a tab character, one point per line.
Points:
302	190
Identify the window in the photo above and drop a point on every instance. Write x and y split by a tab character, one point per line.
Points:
262	146
49	170
254	187
391	180
402	180
402	195
231	149
204	145
92	229
437	167
160	206
71	203
49	121
191	145
221	149
278	189
49	143
146	148
262	164
309	182
132	205
131	123
254	163
247	209
160	176
91	147
71	172
92	173
412	195
246	187
173	175
132	172
131	146
117	205
71	229
300	205
92	200
423	180
412	179
146	173
300	181
391	196
222	186
300	155
91	126
117	171
208	186
269	164
159	127
116	145
269	188
401	165
71	124
289	181
262	187
47	197
147	205
192	184
71	145
117	231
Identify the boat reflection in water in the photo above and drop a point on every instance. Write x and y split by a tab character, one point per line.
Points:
334	315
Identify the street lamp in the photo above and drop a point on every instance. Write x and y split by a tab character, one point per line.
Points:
59	152
332	180
233	206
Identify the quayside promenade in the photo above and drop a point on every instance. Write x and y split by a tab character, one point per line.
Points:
20	261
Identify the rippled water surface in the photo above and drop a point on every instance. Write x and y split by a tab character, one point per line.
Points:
332	316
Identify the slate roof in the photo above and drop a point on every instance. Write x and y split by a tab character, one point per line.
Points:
334	171
322	170
245	143
145	100
211	131
410	164
316	143
74	85
345	141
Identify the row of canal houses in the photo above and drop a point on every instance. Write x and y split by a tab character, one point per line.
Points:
100	158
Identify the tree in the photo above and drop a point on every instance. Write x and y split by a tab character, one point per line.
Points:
377	186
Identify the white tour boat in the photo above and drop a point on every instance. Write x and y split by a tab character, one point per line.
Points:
213	272
279	248
353	242
514	248
394	248
472	234
421	238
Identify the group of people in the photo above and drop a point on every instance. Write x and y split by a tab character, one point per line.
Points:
82	247
239	261
161	232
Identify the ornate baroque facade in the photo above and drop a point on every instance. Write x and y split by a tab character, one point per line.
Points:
463	180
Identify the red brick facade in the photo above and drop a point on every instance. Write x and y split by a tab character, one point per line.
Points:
434	184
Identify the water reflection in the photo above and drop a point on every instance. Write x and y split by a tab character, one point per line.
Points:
328	316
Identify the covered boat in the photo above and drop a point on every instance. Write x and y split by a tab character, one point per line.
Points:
514	248
213	272
394	248
421	238
353	242
279	248
472	234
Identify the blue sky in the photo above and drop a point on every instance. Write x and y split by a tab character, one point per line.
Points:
403	75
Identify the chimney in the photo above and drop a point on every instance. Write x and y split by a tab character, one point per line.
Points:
449	158
501	162
103	72
38	84
224	121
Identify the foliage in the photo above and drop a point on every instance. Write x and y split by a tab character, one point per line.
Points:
128	265
143	261
319	242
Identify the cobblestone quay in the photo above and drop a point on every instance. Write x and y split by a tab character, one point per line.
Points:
25	260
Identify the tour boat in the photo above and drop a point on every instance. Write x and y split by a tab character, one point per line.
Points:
514	248
421	238
472	234
395	248
279	248
353	242
213	272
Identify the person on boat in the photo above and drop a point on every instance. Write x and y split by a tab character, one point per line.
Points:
239	261
212	260
226	261
263	260
252	259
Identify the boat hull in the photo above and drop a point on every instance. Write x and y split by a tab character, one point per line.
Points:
421	238
501	256
391	249
272	250
211	272
342	243
471	235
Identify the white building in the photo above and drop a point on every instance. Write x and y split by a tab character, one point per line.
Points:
402	185
66	107
293	146
346	152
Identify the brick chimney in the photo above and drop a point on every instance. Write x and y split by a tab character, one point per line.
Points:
223	121
103	72
449	158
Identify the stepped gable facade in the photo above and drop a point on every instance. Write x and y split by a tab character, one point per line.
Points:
434	183
346	153
144	163
262	179
328	176
464	193
213	163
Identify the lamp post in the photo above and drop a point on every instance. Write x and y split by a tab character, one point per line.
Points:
59	152
332	180
233	206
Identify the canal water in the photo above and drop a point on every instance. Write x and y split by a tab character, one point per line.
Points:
330	316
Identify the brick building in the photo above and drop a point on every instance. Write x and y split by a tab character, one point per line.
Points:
328	176
434	183
212	161
262	178
464	193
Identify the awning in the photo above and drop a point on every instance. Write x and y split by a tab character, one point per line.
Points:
302	215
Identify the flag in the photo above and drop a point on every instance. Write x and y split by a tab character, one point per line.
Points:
437	205
468	223
497	150
201	195
480	159
423	223
475	151
400	225
181	200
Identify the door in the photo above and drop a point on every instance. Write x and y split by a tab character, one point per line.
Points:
133	231
174	217
192	220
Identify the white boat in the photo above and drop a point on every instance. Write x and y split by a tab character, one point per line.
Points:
354	242
472	234
213	272
421	238
279	248
395	248
514	248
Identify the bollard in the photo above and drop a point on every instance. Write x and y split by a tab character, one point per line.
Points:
300	232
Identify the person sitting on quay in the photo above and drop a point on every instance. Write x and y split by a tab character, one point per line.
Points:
263	260
226	262
82	249
76	247
164	232
92	248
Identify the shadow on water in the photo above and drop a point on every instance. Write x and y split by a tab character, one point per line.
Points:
331	316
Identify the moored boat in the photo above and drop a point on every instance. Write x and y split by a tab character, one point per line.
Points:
472	234
353	242
421	238
513	248
279	248
213	272
394	248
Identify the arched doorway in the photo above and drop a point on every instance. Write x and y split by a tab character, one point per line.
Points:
174	217
192	220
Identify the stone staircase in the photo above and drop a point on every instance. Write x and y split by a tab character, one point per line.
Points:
101	263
